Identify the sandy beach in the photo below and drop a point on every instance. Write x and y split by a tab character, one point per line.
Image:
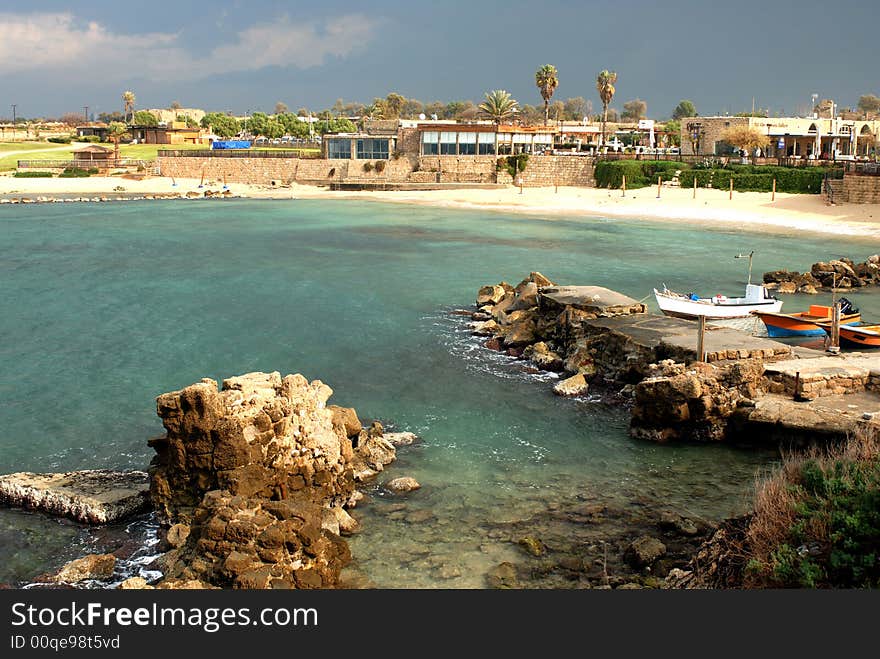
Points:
786	213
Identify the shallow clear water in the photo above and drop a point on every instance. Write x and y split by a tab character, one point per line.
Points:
105	306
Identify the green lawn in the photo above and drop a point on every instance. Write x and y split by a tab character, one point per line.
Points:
26	146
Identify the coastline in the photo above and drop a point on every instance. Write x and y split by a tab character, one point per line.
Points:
789	212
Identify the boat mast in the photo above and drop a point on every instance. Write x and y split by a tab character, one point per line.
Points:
749	255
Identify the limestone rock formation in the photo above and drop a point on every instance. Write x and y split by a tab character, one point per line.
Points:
253	477
96	496
839	273
576	385
92	566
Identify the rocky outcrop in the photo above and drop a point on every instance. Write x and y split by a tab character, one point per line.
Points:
837	273
96	496
695	402
402	485
252	479
92	566
576	385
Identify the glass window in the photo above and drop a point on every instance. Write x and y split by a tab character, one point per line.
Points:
372	149
447	144
339	149
467	144
486	144
429	143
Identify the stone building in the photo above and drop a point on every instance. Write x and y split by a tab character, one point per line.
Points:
790	137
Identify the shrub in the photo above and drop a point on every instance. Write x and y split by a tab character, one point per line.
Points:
58	140
756	178
368	166
380	166
817	521
94	139
33	175
75	172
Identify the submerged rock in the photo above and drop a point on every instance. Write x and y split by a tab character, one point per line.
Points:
644	551
402	485
96	496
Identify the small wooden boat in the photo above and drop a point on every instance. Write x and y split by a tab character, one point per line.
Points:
806	323
857	336
680	305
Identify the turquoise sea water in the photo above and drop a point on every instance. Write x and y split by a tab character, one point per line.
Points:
105	306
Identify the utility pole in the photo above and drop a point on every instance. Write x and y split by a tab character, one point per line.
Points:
86	111
13	122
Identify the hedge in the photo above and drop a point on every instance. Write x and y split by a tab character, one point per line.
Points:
639	173
757	178
33	175
76	172
58	140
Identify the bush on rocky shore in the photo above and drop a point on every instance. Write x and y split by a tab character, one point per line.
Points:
815	524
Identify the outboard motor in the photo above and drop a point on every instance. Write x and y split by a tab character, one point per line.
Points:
846	307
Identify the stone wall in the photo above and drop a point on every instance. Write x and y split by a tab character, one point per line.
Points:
857	189
262	171
456	169
540	170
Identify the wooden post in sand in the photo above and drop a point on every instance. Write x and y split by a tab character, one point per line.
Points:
773	198
701	336
731	188
623	186
695	186
834	348
659	181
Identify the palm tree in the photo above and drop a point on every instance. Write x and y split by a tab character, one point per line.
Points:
115	132
547	81
128	103
605	86
499	106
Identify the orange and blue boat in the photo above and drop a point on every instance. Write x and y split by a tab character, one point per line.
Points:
807	323
857	336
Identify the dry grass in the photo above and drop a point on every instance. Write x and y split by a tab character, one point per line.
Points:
778	495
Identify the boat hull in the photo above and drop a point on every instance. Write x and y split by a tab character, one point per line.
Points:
793	325
689	309
855	337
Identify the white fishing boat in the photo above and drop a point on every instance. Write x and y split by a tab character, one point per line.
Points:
691	305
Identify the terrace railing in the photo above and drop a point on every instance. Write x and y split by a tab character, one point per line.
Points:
238	153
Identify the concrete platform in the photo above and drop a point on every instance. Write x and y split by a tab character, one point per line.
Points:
844	364
652	331
593	299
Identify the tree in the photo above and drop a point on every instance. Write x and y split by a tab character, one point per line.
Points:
498	106
338	125
107	117
221	124
189	121
869	103
393	106
128	103
577	108
605	82
412	108
292	125
547	80
280	107
634	110
72	118
144	118
558	110
529	115
175	105
672	128
684	109
746	138
115	132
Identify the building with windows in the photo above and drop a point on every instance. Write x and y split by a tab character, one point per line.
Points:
358	146
483	139
790	137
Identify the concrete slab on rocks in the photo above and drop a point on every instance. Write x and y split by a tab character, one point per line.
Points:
95	496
